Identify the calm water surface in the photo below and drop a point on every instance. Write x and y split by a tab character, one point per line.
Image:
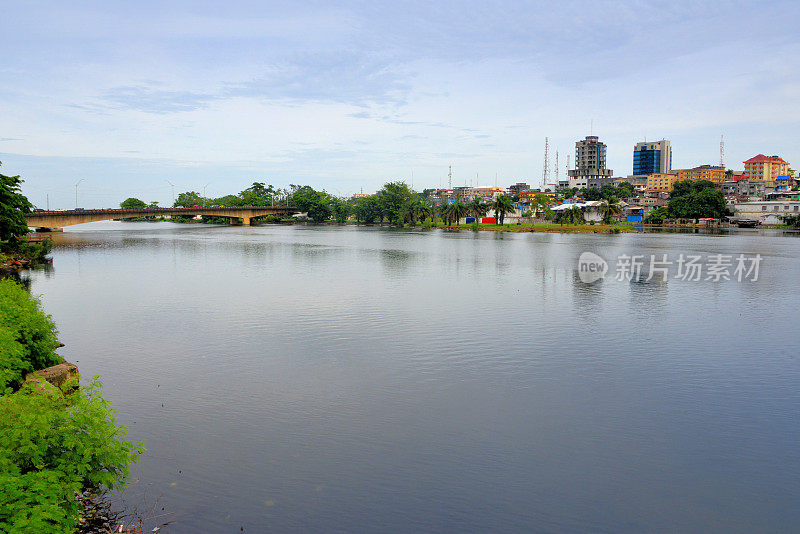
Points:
303	379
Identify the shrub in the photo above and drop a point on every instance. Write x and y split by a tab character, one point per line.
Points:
52	446
34	251
426	224
27	335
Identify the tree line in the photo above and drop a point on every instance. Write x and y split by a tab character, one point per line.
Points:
395	203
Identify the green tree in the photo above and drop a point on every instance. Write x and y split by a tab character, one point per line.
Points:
444	210
539	203
367	210
395	198
477	207
458	210
624	190
341	210
132	204
694	199
592	193
53	446
189	199
501	206
27	335
13	207
572	215
609	209
657	216
316	203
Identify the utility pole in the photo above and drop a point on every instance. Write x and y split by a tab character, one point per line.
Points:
76	192
48	201
204	189
722	151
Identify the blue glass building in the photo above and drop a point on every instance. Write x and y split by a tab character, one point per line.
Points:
652	157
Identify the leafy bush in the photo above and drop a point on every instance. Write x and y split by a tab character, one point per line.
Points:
52	446
27	335
33	250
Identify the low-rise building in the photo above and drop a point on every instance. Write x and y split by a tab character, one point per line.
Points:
600	181
712	173
518	187
767	211
638	181
750	188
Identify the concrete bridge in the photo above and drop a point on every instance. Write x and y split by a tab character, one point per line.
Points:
55	220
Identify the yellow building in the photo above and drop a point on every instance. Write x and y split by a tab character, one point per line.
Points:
712	173
660	181
765	168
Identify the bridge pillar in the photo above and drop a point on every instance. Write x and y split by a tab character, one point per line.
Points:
245	221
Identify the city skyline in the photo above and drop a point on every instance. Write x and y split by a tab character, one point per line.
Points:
126	98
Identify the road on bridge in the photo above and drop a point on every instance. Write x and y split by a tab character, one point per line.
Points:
55	220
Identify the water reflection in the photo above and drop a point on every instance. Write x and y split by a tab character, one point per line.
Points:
362	379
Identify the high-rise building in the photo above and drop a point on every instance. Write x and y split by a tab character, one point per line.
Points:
653	156
590	162
765	168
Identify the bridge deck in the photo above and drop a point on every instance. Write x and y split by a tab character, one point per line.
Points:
59	218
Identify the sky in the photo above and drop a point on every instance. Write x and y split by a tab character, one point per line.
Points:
124	98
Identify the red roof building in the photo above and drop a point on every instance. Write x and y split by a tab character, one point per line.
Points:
765	168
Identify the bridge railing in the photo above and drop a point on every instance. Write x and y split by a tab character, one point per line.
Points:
123	211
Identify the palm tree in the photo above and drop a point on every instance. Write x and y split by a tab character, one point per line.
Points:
609	209
502	205
425	210
445	210
458	210
477	207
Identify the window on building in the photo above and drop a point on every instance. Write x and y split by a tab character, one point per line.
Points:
763	208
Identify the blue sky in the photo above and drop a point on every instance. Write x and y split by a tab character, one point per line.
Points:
349	95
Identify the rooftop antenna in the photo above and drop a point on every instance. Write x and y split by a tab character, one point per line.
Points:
591	126
722	151
546	168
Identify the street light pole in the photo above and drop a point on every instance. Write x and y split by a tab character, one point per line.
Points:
76	192
173	191
204	189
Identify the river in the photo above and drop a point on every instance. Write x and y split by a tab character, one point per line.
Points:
342	379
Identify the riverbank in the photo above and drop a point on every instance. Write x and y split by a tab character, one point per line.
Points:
56	439
538	227
24	254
